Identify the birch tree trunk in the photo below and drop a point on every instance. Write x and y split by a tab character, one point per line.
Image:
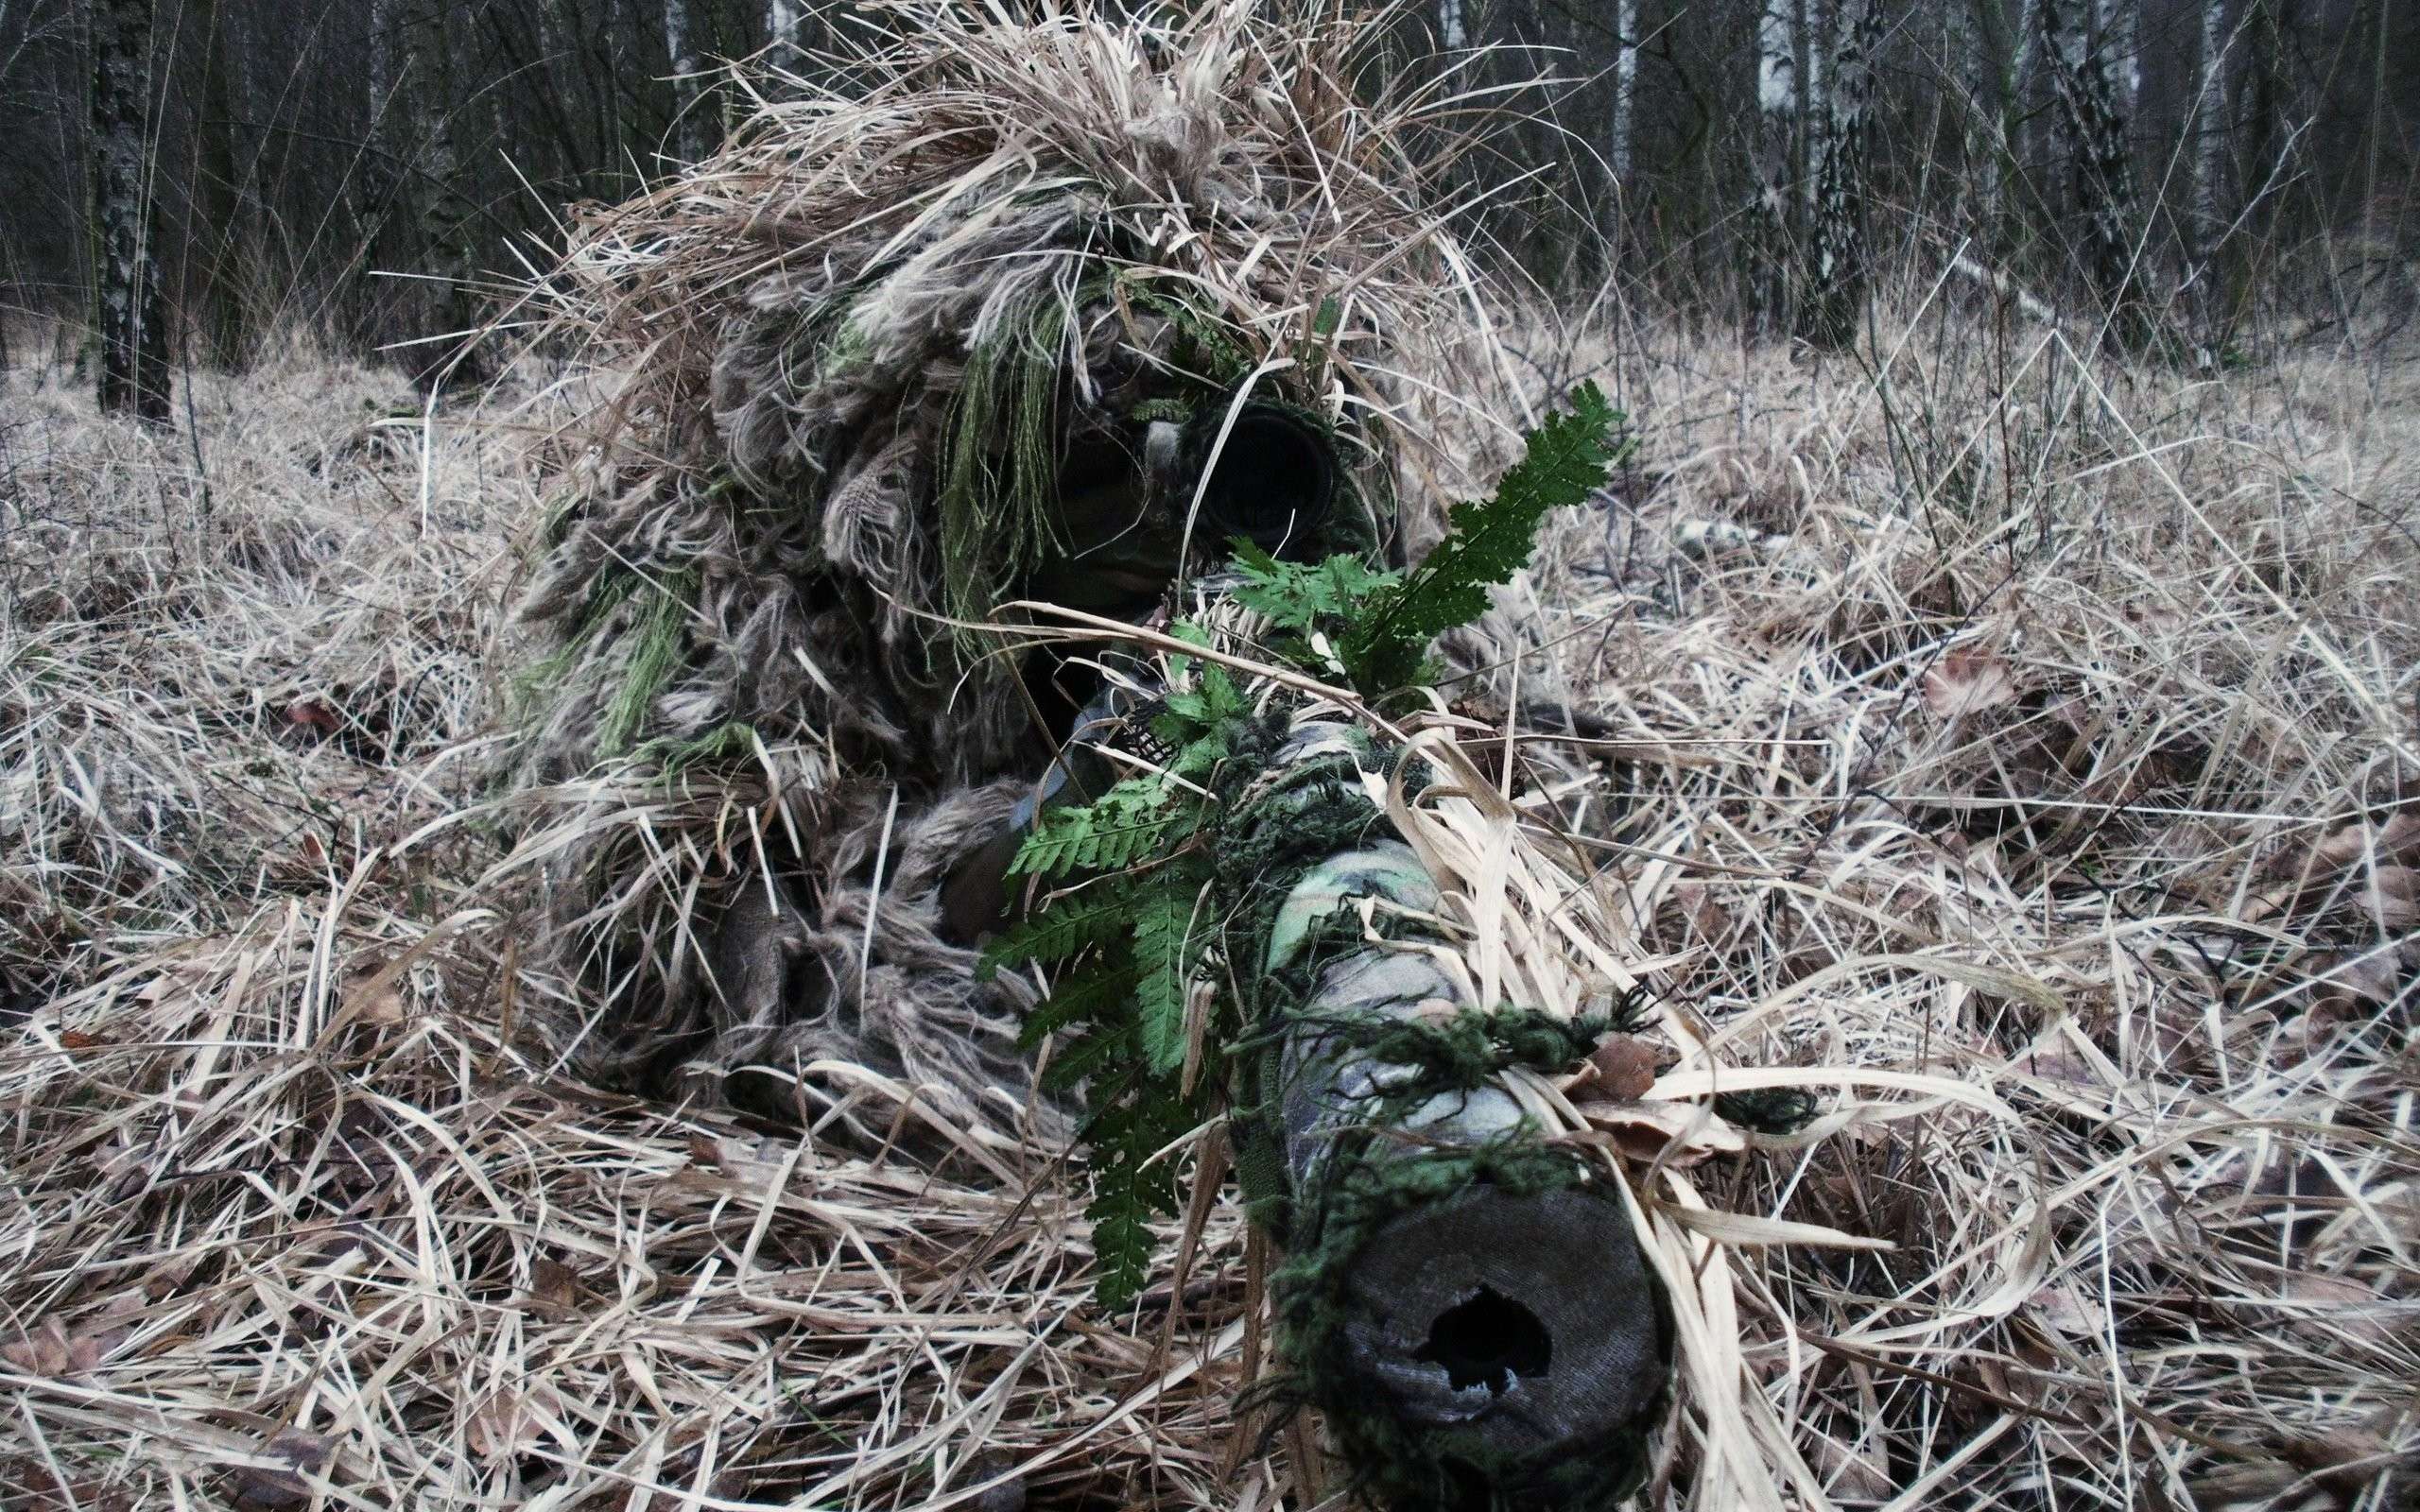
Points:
2113	38
1453	25
1769	245
2209	169
1619	148
1815	22
1837	268
691	136
132	308
2090	95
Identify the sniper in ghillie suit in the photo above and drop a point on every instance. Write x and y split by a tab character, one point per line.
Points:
1004	634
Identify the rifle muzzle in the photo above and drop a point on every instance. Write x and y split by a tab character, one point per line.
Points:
1472	1305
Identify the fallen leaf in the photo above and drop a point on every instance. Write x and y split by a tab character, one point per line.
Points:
2337	1305
29	1484
49	1349
1648	1131
554	1288
313	713
2054	1058
1968	680
1624	1067
1848	1473
276	1487
2064	1308
510	1423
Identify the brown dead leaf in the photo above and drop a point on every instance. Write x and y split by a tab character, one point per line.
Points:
1679	1134
2337	1305
29	1484
282	1485
1624	1068
1707	916
313	713
49	1349
2066	1309
2054	1058
378	1001
1968	680
2371	869
1850	1473
554	1289
510	1423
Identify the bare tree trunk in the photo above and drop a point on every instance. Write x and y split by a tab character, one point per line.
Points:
2089	100
1837	272
2209	169
2114	35
1619	149
1453	25
224	249
1769	245
133	309
1815	21
691	137
2000	49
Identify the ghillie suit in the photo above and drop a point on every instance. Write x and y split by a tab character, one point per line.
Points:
886	362
1018	339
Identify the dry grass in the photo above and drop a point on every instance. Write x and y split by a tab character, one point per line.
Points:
2038	731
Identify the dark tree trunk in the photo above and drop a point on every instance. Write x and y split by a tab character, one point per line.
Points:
133	310
1837	268
2091	105
219	242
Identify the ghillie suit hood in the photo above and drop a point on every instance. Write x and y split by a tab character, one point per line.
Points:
853	358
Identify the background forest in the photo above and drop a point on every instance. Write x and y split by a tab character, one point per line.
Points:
371	169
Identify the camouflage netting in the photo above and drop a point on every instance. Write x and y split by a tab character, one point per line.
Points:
859	357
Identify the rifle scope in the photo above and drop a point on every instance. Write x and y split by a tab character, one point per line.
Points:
1274	480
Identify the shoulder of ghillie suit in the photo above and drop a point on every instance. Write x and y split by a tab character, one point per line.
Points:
905	352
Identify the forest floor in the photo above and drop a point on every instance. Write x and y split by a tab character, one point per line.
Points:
1989	712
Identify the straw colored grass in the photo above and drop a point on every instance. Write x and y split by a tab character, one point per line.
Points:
2018	750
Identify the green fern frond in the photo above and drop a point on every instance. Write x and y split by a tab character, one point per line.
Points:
1163	966
1077	997
1566	459
1090	916
1118	829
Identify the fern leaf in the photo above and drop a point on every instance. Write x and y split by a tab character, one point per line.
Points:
1487	543
1064	926
1162	967
1078	996
1119	828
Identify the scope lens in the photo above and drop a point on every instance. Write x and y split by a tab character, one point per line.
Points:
1274	480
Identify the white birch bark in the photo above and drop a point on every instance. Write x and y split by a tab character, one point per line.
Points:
2114	26
781	18
1618	150
1815	25
1769	250
2209	170
1453	25
1837	271
689	123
